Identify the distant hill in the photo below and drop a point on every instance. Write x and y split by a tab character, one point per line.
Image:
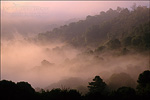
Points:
73	83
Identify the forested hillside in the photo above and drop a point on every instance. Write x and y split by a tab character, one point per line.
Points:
111	29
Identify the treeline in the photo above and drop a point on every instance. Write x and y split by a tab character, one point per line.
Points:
98	90
113	29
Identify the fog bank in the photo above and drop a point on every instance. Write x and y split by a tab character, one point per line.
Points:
44	65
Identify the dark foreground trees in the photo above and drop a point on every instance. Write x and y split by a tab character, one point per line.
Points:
20	91
98	90
23	91
58	94
97	86
124	93
143	87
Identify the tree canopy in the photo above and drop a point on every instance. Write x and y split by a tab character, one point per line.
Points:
120	28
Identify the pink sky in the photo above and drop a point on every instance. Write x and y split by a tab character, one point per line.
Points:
61	10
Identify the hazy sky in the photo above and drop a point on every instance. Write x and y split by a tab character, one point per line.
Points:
60	10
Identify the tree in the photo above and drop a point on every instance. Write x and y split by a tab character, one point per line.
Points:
137	41
20	91
25	87
119	9
26	91
125	93
100	49
8	90
127	41
97	86
143	86
45	63
134	7
61	94
114	44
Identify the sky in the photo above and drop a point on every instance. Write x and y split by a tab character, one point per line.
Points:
60	10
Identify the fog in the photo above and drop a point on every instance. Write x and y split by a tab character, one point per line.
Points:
58	64
42	66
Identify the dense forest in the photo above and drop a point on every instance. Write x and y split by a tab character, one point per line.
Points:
98	90
113	29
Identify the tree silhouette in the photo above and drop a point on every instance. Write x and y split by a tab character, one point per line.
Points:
97	86
125	93
97	89
143	86
20	91
26	87
8	90
58	94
